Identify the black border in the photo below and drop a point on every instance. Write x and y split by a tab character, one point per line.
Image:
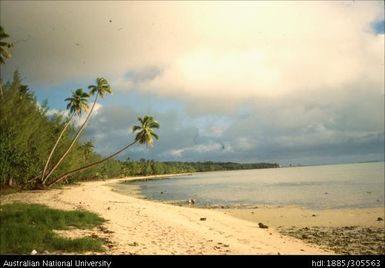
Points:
216	260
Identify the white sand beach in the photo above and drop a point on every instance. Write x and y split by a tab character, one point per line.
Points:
137	226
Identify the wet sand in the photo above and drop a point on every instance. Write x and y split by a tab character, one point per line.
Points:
345	231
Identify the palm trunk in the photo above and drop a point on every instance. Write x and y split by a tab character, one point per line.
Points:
54	148
72	143
67	174
10	182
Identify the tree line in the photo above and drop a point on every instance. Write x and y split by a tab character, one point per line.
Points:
144	167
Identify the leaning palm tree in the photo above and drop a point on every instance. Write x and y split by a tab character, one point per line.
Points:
4	46
101	88
77	104
145	134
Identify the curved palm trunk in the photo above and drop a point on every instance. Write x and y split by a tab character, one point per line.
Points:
67	174
72	143
54	148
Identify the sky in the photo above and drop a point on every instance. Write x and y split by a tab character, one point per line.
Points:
292	82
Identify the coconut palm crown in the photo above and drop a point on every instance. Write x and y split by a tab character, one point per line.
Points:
101	88
145	132
78	103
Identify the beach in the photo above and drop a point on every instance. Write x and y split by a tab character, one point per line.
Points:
138	226
344	231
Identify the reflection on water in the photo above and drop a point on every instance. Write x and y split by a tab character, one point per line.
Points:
318	187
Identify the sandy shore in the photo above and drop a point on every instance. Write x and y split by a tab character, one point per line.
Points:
301	217
137	226
345	231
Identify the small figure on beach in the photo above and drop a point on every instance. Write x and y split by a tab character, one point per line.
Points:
191	201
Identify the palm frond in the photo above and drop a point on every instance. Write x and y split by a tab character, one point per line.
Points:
135	128
153	124
155	135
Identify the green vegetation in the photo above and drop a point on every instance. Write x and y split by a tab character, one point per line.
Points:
26	227
79	103
28	134
76	105
144	135
33	143
150	167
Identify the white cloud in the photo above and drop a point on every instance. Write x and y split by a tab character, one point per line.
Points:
204	49
78	121
51	112
285	74
201	149
269	50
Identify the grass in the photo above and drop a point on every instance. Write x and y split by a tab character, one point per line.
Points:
25	227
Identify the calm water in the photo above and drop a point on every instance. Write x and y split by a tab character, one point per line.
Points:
317	187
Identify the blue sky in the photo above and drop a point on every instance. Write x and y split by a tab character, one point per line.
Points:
287	82
379	26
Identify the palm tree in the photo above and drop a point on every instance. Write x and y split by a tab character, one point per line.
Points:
78	102
87	149
145	133
101	88
4	46
76	105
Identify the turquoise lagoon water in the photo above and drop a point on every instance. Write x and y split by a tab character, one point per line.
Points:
317	187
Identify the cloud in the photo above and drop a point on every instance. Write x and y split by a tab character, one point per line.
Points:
78	121
200	149
266	80
245	137
254	53
207	48
52	112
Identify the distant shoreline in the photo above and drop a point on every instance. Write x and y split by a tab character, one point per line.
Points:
331	164
162	193
153	177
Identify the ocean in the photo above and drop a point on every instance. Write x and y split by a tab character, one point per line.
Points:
316	187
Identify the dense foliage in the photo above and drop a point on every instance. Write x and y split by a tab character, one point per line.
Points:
27	135
151	167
